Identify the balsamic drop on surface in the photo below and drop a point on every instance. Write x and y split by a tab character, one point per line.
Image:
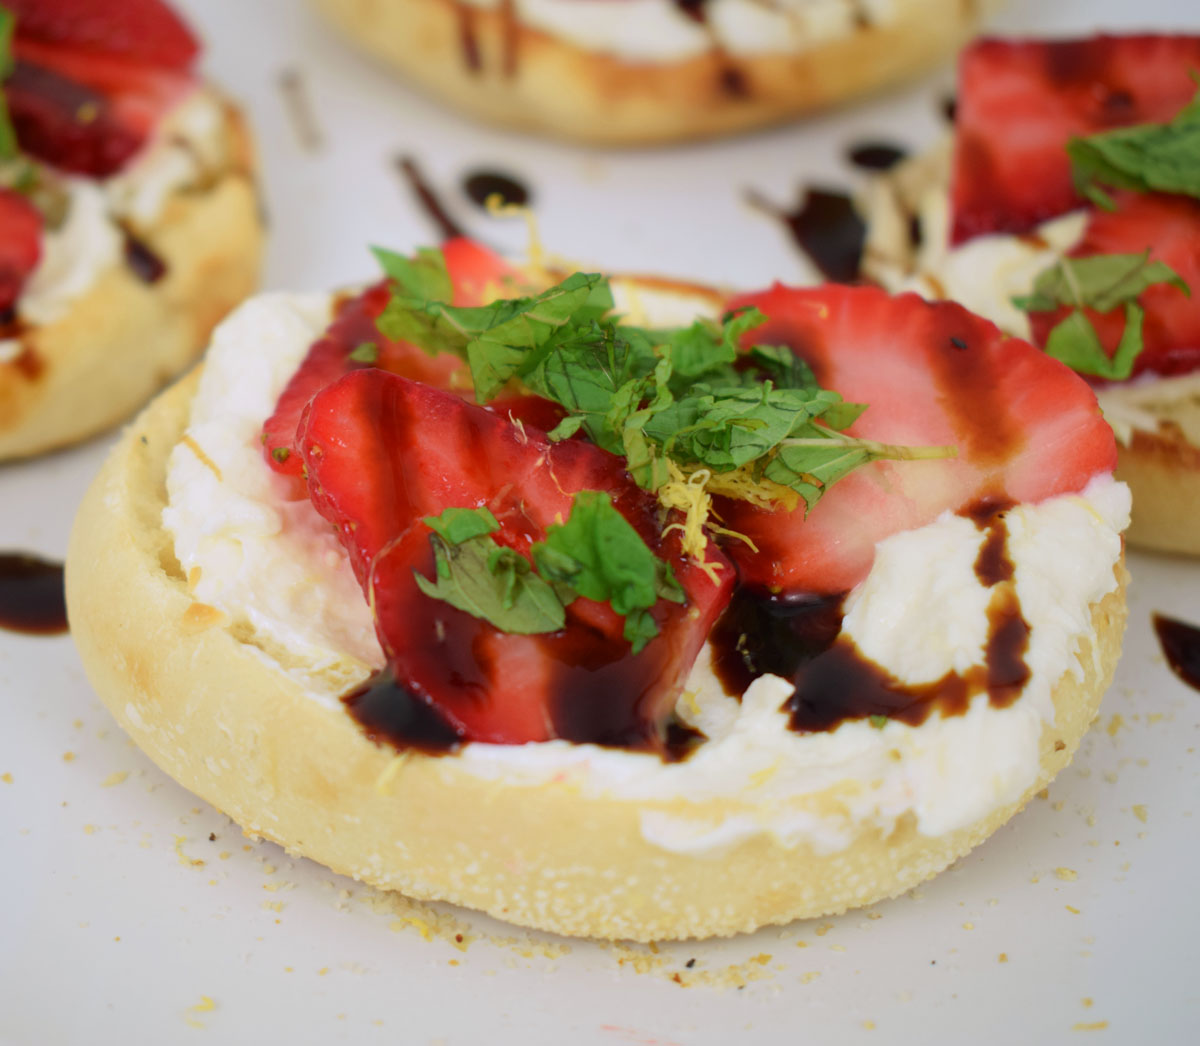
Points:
876	156
1180	644
480	186
827	228
31	595
145	264
388	712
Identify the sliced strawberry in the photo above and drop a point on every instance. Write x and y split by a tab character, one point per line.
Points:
382	452
1169	226
477	275
84	113
933	374
1019	102
144	31
20	245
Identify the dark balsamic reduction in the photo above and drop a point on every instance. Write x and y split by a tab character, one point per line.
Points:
876	156
144	263
799	639
1180	644
388	712
480	186
299	109
992	565
468	38
760	633
428	199
827	228
31	595
696	10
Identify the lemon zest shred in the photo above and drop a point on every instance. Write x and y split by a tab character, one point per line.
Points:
384	780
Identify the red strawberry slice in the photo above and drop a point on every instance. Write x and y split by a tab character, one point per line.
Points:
382	452
84	113
20	245
1019	102
1169	226
477	274
134	30
933	374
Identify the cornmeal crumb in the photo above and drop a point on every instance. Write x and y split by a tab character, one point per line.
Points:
1002	957
811	976
68	757
1073	911
1115	724
1067	875
869	1025
115	778
1093	1026
1087	1002
823	929
7	778
1139	811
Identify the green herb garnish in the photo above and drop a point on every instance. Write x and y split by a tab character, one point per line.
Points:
1146	158
8	136
671	402
1103	282
596	554
365	352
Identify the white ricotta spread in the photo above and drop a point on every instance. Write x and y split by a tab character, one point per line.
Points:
662	31
186	147
985	273
277	570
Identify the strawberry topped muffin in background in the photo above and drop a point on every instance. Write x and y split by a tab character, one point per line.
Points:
129	221
640	72
1067	209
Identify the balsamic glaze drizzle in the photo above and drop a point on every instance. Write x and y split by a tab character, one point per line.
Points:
826	227
432	206
31	595
1180	644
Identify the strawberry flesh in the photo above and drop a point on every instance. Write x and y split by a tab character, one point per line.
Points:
145	31
1169	226
20	245
933	374
381	452
476	275
86	100
1019	102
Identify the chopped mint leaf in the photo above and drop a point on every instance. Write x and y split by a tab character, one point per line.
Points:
367	352
686	398
1145	158
1075	342
494	583
423	277
596	554
599	555
456	525
8	136
879	721
1101	281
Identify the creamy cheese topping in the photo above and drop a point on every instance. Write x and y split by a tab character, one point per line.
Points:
276	569
663	31
186	148
985	274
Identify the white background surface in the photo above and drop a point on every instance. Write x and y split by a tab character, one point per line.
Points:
112	930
